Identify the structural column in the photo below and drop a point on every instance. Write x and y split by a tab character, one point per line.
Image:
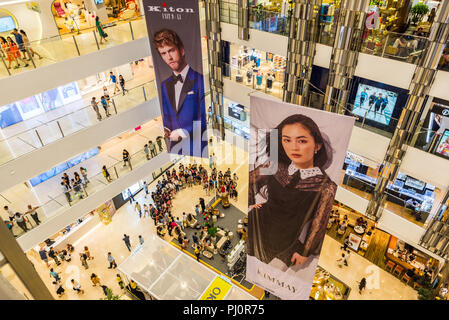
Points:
345	52
302	36
213	34
19	262
243	7
419	88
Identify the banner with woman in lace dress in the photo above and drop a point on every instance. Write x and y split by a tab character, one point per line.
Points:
296	158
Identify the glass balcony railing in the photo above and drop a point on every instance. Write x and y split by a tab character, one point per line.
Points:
12	147
65	46
97	182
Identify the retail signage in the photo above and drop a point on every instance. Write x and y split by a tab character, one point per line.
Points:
175	41
296	156
217	290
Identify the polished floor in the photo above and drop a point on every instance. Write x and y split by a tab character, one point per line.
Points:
381	285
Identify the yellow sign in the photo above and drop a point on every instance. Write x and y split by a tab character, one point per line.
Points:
217	290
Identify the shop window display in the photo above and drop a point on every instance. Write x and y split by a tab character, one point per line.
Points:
327	287
236	118
74	16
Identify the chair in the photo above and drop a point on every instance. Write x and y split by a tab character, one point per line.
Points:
405	278
191	221
59	9
390	265
398	270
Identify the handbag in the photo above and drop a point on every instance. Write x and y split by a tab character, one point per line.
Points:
105	35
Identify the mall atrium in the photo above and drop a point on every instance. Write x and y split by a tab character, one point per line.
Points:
96	206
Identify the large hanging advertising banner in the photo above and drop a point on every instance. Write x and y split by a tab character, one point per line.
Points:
296	158
175	41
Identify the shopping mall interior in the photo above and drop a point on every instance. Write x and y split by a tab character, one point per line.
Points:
97	207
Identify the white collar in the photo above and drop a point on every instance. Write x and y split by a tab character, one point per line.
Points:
305	173
183	73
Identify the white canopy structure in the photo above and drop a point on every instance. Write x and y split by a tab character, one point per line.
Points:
166	273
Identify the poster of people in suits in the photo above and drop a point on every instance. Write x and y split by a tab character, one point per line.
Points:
175	41
296	155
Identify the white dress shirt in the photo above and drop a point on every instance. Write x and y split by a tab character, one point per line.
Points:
178	85
175	134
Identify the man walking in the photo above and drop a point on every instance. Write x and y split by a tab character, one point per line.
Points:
152	148
111	261
159	143
94	105
138	209
127	242
65	190
203	206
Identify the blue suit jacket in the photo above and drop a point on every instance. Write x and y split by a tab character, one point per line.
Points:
192	108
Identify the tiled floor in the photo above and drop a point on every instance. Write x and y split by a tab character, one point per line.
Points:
381	284
111	152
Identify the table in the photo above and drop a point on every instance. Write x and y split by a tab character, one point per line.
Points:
359	229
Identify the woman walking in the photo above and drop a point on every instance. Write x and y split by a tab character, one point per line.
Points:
27	44
106	174
100	29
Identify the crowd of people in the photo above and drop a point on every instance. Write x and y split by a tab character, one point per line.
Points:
18	49
76	184
65	256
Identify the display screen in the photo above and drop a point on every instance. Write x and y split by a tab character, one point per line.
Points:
410	182
401	176
7	24
99	1
443	147
377	104
235	110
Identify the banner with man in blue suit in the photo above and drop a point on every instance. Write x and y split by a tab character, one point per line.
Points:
175	41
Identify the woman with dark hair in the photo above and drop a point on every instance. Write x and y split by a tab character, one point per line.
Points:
290	209
100	29
27	44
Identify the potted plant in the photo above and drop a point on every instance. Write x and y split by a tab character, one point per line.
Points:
212	231
215	249
111	296
418	11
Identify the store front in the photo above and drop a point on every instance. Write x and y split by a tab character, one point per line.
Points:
77	15
269	16
236	118
254	68
408	197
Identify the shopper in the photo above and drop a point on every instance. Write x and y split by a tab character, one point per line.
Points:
54	274
146	151
58	287
83	259
127	242
159	142
152	148
14	53
145	187
87	253
94	105
43	255
76	286
130	196
120	281
21	222
84	174
122	84
20	43
27	45
126	157
111	261
203	206
114	81
95	279
105	105
138	208
106	174
195	239
197	253
141	240
33	213
362	285
100	29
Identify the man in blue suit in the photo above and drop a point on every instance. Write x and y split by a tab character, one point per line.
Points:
182	94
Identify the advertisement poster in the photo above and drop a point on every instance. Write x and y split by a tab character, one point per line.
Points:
296	157
51	99
70	92
175	41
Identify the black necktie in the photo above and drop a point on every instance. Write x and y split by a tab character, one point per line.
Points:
177	78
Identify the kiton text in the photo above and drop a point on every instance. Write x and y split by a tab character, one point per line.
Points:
170	9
